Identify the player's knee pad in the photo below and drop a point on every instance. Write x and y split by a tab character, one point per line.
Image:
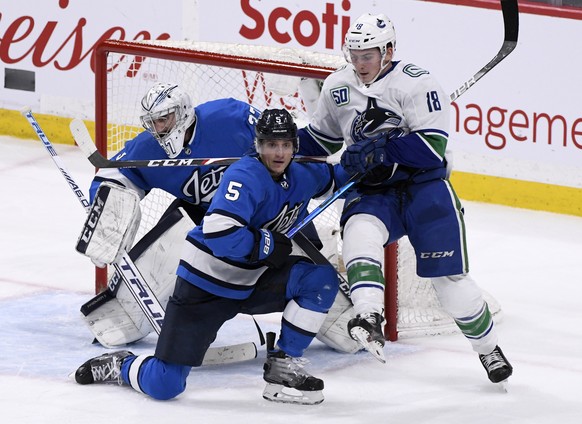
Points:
156	378
313	286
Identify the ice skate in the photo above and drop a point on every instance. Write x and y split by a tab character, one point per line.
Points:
367	330
287	381
102	369
497	366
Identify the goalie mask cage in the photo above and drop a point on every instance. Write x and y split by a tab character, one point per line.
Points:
263	77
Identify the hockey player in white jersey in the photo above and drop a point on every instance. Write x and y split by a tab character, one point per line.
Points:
394	118
240	261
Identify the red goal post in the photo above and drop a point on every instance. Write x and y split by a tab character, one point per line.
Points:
263	77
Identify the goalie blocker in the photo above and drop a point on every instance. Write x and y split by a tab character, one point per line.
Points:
115	319
111	224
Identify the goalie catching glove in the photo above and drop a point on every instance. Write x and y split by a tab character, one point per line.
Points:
271	248
111	224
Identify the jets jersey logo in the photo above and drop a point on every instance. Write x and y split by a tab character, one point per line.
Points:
366	123
284	219
201	187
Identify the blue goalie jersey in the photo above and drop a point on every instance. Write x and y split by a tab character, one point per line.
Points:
224	128
217	252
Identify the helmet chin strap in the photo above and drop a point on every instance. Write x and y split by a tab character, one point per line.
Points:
189	135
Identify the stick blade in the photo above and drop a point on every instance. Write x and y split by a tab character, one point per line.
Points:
85	142
230	354
82	137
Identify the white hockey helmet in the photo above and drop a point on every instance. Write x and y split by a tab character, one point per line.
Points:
169	103
370	31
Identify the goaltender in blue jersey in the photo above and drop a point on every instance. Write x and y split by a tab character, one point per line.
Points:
176	129
239	260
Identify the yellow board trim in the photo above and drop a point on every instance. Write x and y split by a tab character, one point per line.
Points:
475	187
517	193
56	128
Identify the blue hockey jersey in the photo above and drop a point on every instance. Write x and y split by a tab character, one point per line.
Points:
216	253
224	128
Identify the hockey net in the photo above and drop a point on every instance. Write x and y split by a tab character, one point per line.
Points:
263	77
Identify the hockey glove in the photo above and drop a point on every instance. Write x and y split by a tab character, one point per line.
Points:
365	155
271	248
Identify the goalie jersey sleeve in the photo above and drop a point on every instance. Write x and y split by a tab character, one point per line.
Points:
216	257
224	128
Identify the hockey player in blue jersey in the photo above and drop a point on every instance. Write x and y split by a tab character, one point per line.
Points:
394	118
240	261
174	128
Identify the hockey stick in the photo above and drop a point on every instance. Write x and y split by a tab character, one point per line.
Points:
511	28
510	12
316	256
131	276
85	142
87	146
324	205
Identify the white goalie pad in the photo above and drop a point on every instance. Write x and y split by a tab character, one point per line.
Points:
334	330
109	322
120	320
111	224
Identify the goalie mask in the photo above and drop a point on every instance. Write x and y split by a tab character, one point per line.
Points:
276	124
167	114
370	31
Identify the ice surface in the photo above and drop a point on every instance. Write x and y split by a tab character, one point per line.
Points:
530	261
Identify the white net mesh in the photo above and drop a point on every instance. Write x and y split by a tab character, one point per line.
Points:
130	76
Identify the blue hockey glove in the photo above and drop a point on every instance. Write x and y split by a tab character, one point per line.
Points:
365	155
271	248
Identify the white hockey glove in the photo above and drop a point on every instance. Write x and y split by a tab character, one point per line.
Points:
111	224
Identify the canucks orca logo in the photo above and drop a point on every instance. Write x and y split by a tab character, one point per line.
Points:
367	122
380	23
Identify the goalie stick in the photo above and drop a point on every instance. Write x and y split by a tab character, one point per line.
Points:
87	146
131	276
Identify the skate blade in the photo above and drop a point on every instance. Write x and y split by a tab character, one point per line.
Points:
373	347
282	394
502	385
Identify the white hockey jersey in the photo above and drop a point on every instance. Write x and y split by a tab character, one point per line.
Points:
406	103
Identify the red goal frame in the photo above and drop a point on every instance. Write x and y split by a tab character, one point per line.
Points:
137	49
